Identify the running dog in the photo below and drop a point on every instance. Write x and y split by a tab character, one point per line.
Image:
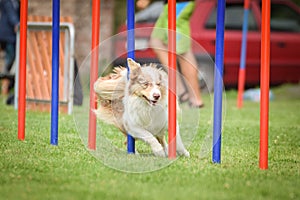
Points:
138	105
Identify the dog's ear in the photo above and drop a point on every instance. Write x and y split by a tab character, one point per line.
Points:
132	64
134	68
163	76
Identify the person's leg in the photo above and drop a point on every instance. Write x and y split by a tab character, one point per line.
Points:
161	51
9	60
9	56
189	70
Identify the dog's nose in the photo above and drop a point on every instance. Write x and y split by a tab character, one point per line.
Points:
156	96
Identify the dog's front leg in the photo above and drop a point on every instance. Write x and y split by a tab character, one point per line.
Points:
148	138
162	140
180	149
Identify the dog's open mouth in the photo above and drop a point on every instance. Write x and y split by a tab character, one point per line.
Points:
151	102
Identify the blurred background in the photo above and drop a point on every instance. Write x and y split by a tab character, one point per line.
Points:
113	16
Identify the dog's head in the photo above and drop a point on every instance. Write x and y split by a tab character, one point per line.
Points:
147	82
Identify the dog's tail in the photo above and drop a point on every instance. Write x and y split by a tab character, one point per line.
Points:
110	92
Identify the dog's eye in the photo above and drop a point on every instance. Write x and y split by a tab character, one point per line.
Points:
145	84
158	83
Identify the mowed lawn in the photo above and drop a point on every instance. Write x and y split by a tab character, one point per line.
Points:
34	169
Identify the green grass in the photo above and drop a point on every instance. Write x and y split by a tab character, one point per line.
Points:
34	169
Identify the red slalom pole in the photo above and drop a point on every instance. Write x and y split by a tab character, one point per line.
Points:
22	70
172	77
94	73
264	80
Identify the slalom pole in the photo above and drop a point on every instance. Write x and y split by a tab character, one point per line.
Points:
94	73
172	77
264	80
130	54
242	70
218	82
55	71
22	70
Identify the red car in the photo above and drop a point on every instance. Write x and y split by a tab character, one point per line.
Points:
285	39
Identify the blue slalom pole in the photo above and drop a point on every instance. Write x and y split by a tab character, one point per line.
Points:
242	70
55	71
244	40
130	49
218	82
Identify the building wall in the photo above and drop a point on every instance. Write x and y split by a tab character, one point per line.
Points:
81	12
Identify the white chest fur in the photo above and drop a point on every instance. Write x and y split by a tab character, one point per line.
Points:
139	113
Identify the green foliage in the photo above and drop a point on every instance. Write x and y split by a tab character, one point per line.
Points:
34	169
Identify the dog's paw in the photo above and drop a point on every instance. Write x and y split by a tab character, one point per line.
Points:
166	149
184	153
160	153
